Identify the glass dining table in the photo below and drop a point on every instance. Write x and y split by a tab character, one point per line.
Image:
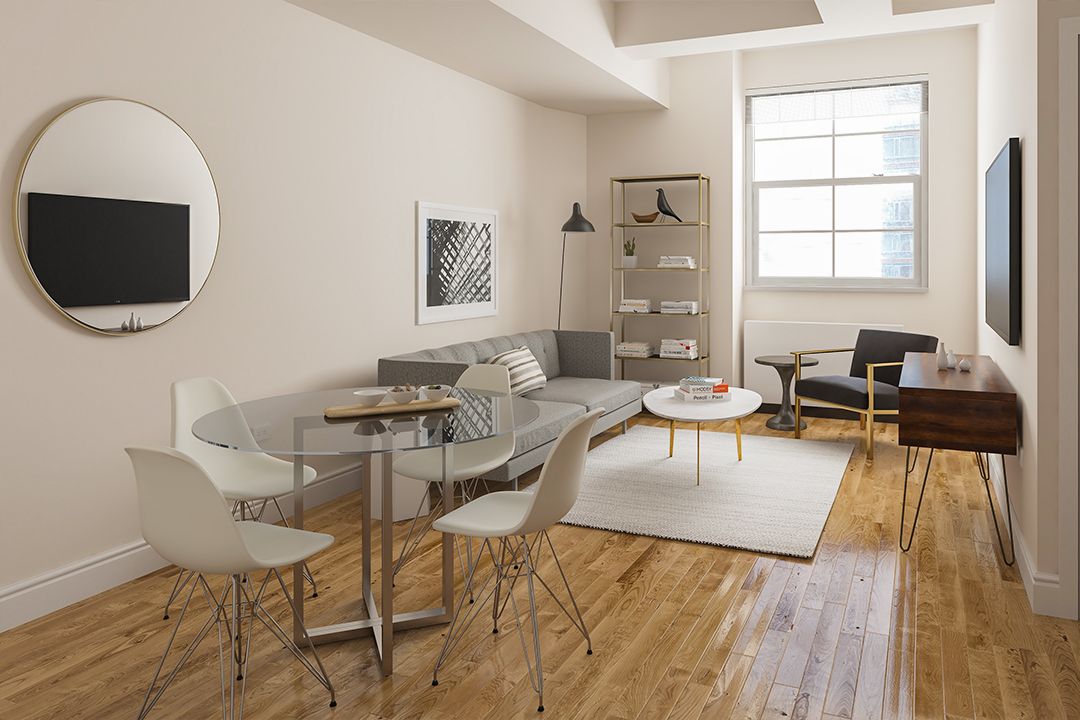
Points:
294	426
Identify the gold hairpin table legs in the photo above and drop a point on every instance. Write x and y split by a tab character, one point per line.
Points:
699	453
738	437
671	442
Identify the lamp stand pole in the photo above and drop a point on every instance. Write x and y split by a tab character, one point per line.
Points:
562	272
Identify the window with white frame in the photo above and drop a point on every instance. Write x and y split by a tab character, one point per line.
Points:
836	185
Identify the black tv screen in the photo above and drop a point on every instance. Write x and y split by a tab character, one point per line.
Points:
1003	243
103	251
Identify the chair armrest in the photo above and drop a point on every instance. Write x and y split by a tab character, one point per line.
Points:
870	381
586	353
887	364
799	353
401	371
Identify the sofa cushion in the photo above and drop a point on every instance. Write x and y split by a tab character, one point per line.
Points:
554	416
850	391
590	392
525	372
541	343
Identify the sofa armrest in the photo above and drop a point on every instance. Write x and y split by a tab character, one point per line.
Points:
586	353
400	371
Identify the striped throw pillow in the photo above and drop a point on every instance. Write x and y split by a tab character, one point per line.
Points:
525	372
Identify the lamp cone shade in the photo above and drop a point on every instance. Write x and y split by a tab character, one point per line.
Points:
577	222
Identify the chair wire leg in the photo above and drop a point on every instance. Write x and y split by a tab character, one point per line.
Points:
580	622
151	698
909	466
307	571
984	473
178	587
529	573
322	676
461	621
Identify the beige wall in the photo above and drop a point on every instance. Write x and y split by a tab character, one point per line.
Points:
321	140
947	310
1018	97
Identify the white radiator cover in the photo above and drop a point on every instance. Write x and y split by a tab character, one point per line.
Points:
779	337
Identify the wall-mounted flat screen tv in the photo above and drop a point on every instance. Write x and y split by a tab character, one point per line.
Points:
1003	243
103	251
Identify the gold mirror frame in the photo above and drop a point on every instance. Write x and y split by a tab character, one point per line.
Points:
16	221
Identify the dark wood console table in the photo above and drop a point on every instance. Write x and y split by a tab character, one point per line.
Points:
972	411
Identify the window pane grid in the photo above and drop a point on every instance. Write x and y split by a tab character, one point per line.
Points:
861	209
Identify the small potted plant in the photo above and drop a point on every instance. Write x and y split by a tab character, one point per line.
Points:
629	253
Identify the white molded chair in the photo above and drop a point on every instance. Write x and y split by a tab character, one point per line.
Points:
185	520
471	460
510	517
244	478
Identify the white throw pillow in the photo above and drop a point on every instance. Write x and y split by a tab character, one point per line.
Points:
525	372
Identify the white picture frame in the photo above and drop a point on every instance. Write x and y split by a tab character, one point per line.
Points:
456	263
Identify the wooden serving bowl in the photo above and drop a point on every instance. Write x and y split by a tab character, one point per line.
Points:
651	217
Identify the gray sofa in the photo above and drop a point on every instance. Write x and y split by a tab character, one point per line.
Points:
580	367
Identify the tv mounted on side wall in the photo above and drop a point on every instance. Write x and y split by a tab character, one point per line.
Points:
103	251
1003	243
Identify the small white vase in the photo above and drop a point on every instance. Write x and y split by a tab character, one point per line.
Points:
951	357
629	261
964	365
942	357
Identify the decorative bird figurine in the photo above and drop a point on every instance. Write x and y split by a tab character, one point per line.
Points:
662	205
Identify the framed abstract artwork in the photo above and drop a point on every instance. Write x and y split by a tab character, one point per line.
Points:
456	264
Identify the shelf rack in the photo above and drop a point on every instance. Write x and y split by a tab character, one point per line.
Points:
673	231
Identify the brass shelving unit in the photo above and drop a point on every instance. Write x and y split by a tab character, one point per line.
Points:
665	232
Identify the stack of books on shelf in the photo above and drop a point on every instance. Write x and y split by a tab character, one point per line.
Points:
679	307
631	305
686	349
697	389
677	261
635	350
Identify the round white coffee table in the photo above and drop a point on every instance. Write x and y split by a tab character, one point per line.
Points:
663	403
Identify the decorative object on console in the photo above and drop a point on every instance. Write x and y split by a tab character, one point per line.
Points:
576	224
942	357
950	358
526	374
964	365
663	206
87	253
457	268
645	219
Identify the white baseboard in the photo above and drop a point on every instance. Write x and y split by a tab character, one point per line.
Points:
34	597
1044	590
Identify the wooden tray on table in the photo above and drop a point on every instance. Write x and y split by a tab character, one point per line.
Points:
339	412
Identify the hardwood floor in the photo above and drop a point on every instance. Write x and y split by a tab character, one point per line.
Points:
680	630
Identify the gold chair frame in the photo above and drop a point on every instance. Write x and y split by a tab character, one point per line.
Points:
866	415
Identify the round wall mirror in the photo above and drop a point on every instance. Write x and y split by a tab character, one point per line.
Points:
116	216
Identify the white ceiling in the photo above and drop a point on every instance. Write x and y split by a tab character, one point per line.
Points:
595	56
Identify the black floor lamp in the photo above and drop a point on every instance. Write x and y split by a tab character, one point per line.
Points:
576	224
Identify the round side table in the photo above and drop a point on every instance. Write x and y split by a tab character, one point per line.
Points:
784	419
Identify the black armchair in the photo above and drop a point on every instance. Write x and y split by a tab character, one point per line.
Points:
871	387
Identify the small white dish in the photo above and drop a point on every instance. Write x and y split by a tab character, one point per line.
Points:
435	392
369	397
401	397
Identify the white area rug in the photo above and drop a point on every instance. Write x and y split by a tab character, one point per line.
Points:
775	501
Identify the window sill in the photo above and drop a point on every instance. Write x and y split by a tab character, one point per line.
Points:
907	290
